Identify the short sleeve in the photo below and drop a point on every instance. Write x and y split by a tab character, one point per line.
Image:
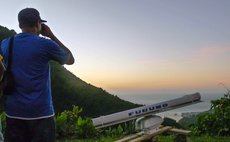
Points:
57	53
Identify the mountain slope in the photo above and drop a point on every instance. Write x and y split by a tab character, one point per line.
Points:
69	90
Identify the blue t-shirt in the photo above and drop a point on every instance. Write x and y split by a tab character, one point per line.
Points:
31	98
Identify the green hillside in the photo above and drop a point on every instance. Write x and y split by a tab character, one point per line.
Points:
68	90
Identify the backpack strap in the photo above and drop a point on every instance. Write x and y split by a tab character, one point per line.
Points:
0	48
10	53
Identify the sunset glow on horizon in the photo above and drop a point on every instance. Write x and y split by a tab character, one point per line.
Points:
140	45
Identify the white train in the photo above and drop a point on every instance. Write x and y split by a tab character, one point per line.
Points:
127	115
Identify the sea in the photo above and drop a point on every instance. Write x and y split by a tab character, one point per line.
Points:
176	114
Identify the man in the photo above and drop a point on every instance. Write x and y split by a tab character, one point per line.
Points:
29	107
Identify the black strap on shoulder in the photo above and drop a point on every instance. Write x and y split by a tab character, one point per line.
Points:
1	49
10	53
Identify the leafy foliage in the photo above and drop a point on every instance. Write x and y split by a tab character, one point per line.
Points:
217	121
119	130
71	124
114	132
5	32
172	138
3	121
188	121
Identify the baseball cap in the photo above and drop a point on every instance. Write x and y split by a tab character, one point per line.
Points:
29	16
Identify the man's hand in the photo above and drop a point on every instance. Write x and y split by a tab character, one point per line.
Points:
46	31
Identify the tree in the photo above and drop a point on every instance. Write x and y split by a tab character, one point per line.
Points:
5	32
217	120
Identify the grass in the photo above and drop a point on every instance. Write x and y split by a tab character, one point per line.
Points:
160	139
195	139
90	140
210	139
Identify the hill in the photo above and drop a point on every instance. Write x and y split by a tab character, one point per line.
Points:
69	90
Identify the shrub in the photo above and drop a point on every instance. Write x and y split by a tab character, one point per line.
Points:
217	120
70	124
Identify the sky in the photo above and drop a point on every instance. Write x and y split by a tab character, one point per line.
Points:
140	46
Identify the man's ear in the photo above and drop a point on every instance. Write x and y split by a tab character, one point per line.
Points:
37	24
38	27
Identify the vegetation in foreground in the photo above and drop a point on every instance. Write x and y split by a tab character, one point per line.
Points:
212	126
72	127
170	138
195	139
216	122
89	140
